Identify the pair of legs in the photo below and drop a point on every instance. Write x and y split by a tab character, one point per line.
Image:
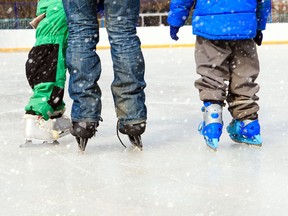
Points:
85	67
228	72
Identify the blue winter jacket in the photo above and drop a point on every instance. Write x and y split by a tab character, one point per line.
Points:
221	19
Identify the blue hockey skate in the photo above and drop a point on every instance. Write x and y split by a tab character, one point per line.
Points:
247	131
211	127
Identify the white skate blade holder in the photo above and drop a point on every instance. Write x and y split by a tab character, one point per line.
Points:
40	132
36	143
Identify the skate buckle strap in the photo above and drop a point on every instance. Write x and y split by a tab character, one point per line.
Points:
117	132
247	131
211	127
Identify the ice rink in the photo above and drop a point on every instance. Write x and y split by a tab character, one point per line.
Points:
175	174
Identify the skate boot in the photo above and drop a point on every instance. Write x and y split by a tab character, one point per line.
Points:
58	113
83	131
42	131
247	131
133	131
211	127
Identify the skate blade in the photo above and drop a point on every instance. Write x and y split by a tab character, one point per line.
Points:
39	143
256	141
212	143
136	142
82	143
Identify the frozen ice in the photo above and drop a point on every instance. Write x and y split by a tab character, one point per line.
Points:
175	174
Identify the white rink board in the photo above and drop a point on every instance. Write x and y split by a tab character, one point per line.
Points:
150	36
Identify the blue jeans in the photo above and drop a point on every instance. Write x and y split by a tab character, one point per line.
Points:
84	64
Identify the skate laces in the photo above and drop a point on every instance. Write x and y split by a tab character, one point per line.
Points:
46	125
40	122
55	125
133	131
117	132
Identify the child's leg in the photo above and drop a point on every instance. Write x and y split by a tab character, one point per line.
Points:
243	88
46	74
242	98
212	64
45	67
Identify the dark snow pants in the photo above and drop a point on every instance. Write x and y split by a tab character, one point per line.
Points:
228	72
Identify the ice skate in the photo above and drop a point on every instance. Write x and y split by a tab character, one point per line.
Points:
247	131
211	127
39	131
136	141
83	131
133	131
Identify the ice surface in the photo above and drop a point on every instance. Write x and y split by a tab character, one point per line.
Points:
175	174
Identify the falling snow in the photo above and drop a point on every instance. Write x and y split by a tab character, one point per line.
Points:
176	174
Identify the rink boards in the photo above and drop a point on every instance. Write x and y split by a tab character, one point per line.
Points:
151	37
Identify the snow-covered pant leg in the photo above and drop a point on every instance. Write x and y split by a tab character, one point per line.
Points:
228	71
128	61
83	62
46	67
242	98
213	66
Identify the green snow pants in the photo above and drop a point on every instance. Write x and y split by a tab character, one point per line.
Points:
46	67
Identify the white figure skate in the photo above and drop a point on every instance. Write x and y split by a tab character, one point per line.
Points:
39	131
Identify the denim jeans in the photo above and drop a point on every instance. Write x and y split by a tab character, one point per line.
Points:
84	64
